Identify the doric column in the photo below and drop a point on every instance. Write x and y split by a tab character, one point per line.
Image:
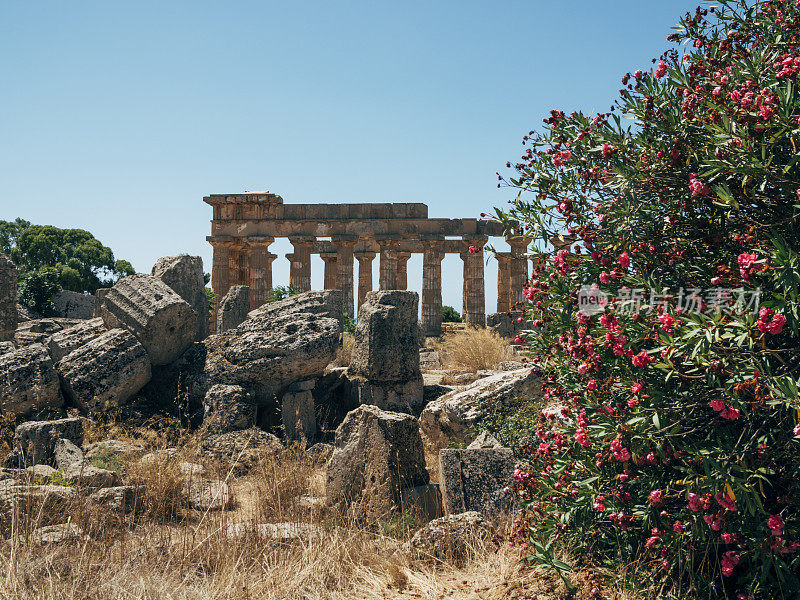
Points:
300	270
432	285
388	272
260	269
220	267
402	271
503	281
364	275
474	286
330	271
344	274
518	270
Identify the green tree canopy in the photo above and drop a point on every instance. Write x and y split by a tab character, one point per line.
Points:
74	257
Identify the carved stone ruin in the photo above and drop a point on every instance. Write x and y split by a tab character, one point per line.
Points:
244	225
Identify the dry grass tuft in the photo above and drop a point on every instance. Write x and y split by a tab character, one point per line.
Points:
474	349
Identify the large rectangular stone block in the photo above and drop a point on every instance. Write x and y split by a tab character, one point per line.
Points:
474	479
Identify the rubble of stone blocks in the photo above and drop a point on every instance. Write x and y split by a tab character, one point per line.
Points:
265	369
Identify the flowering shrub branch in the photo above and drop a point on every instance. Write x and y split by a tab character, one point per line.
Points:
676	442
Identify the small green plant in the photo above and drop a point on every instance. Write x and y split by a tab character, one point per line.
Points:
107	458
403	524
348	324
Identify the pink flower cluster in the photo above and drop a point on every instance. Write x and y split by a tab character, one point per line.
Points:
748	265
787	66
619	451
770	321
641	359
729	560
718	404
697	186
661	70
560	157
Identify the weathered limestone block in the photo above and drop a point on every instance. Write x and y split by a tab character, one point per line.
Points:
73	305
474	479
85	475
386	346
280	343
161	320
7	347
484	440
25	314
228	408
233	308
184	274
105	372
66	453
403	396
38	331
28	381
452	418
244	448
99	297
281	532
423	499
385	358
297	411
122	498
44	504
8	298
65	341
377	454
35	441
450	538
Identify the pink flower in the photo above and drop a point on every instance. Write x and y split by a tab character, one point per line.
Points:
607	150
726	501
641	359
697	502
661	70
727	538
678	527
775	525
651	541
656	497
729	561
472	249
717	404
747	266
730	414
604	278
716	280
667	322
770	321
592	385
582	438
697	187
796	430
518	340
624	260
637	387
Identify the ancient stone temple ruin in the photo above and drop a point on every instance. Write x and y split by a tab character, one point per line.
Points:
244	225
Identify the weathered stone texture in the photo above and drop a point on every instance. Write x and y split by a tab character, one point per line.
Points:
161	320
297	412
386	346
228	408
28	381
474	479
66	453
452	418
73	305
99	298
280	343
105	372
451	537
8	298
233	308
35	441
377	454
184	274
65	341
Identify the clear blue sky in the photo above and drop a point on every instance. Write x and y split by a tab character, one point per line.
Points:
118	117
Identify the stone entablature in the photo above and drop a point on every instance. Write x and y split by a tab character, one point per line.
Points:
244	226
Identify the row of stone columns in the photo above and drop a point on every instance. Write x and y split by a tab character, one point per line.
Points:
247	261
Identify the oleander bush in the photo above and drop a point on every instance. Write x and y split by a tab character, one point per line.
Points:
668	316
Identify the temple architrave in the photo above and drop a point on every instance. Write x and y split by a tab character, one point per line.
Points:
244	226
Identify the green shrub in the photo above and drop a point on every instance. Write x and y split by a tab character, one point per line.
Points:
450	315
678	442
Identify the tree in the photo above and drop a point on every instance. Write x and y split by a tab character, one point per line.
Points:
450	315
72	257
668	315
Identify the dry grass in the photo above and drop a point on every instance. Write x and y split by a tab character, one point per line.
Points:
166	550
474	349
